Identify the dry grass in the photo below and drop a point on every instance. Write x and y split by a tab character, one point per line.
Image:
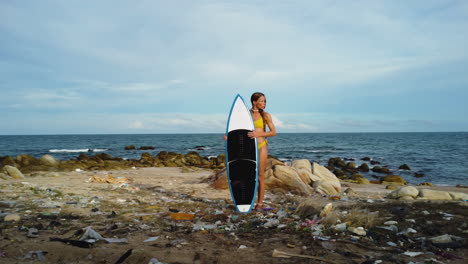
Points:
353	216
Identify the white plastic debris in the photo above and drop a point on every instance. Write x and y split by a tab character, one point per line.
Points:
151	239
391	223
90	234
242	247
413	254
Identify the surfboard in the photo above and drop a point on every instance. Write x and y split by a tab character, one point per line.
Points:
241	157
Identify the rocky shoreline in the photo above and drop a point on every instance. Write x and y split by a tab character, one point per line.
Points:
175	208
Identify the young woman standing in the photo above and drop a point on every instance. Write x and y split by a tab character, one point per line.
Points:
261	120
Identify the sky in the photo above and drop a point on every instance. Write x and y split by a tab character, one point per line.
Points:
119	67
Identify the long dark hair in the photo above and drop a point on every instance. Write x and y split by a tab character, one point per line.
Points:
254	98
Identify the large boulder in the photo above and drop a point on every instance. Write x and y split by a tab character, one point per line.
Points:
13	172
397	179
48	160
404	191
304	169
459	196
287	178
320	173
434	195
325	188
25	160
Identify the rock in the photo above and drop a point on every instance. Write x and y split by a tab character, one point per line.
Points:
48	160
304	169
418	175
287	178
7	160
350	192
363	181
12	218
434	195
325	188
146	148
350	166
4	176
130	147
13	172
406	198
461	186
425	184
404	191
459	196
221	182
307	208
321	173
366	159
393	179
374	162
25	160
364	167
392	187
404	167
379	169
340	174
336	162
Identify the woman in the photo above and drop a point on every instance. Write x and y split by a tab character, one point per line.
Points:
261	120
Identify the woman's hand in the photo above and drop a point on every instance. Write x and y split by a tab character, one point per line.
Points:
225	137
252	134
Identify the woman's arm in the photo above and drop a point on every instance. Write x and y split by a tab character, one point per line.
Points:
271	126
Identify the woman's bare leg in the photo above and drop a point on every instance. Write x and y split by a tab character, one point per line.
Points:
261	176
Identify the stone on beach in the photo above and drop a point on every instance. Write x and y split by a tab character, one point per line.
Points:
287	178
434	195
459	196
404	191
13	172
397	179
322	173
48	160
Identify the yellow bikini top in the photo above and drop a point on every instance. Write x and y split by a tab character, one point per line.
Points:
259	123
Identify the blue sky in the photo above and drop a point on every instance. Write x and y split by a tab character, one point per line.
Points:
175	66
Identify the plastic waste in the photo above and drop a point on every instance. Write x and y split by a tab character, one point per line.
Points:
281	254
155	261
36	255
33	233
412	254
151	239
90	234
76	243
117	240
182	216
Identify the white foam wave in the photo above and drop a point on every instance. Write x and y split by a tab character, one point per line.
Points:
68	150
99	150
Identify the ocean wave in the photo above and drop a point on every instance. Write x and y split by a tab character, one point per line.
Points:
75	150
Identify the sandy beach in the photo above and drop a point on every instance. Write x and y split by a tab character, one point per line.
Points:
184	220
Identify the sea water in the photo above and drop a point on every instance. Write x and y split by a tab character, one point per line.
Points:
441	157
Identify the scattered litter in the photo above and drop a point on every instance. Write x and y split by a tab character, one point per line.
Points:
412	254
198	227
181	216
391	228
425	212
155	261
407	231
36	255
242	247
33	233
90	234
124	256
78	170
391	223
392	244
357	230
271	223
326	209
117	240
76	243
281	254
151	239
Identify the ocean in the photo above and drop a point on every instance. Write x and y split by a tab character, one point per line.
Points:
441	157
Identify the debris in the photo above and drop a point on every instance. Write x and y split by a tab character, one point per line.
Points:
340	227
151	239
357	230
124	256
391	223
412	254
155	261
391	228
281	254
76	243
392	244
7	204
326	209
12	218
242	247
33	233
182	216
117	240
90	234
36	255
407	231
271	223
445	239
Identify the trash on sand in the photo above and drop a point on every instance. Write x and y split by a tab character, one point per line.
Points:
181	216
155	261
242	247
340	227
271	223
202	227
407	231
151	239
117	240
392	244
33	232
36	255
413	254
390	228
281	254
357	230
76	243
124	256
90	234
391	223
326	209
